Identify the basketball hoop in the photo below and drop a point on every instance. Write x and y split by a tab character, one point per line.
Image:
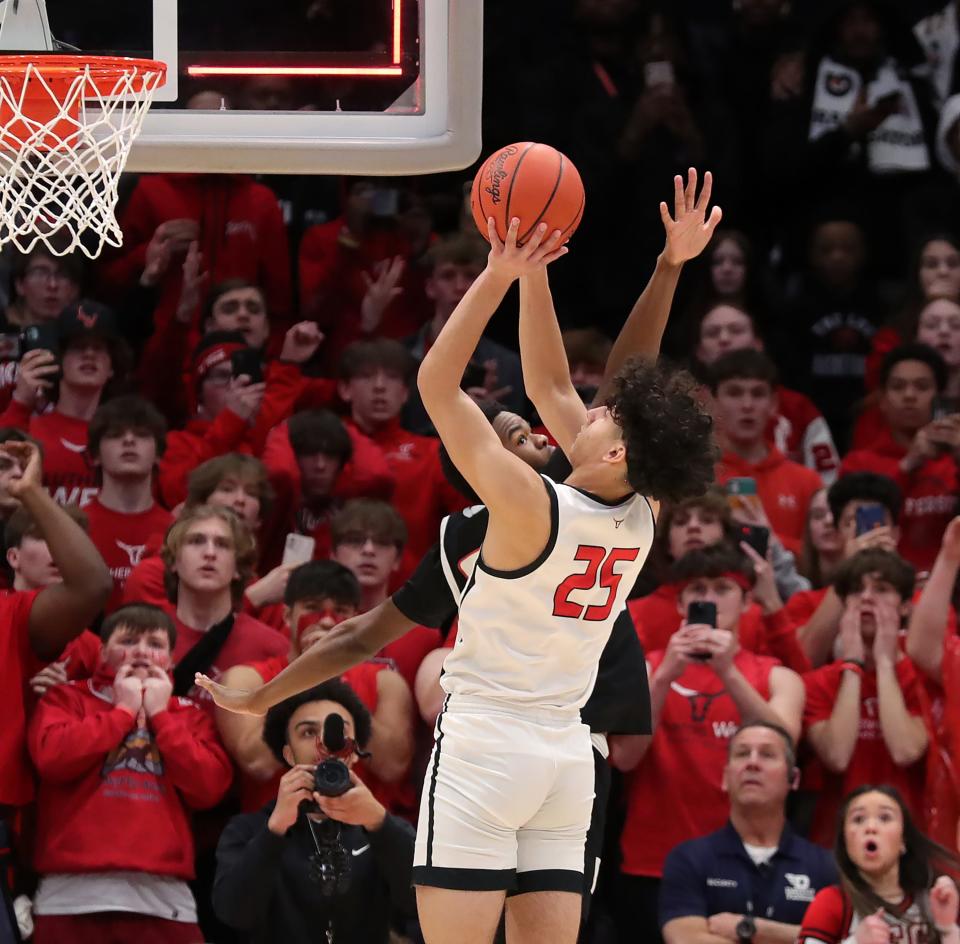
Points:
66	126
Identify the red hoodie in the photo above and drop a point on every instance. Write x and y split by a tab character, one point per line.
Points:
203	439
332	267
929	495
366	475
114	796
68	473
785	489
242	235
422	494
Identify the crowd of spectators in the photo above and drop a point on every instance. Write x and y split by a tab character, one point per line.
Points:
212	452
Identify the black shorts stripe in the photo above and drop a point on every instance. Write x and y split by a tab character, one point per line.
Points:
550	880
433	782
465	880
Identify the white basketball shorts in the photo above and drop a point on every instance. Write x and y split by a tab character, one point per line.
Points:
506	802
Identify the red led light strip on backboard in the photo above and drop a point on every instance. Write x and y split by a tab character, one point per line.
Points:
395	69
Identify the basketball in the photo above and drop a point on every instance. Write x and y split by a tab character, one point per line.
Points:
533	182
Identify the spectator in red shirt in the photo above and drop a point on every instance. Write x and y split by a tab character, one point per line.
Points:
863	715
375	383
701	688
934	649
233	414
36	625
917	450
120	749
126	439
235	223
235	481
817	612
360	275
43	285
319	596
92	355
744	385
209	554
797	427
368	538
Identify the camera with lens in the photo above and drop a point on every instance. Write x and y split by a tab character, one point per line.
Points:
330	864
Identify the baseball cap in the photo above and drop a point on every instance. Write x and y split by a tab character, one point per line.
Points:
87	318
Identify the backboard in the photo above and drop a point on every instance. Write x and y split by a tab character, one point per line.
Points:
297	86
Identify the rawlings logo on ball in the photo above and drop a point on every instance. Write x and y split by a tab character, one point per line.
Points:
496	173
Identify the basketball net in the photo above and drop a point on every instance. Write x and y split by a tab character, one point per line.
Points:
67	123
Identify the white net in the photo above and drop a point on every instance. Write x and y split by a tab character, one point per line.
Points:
66	127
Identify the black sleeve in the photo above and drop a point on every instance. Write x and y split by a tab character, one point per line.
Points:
426	598
392	845
248	859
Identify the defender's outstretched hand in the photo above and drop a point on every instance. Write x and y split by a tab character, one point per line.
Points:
231	699
689	233
510	260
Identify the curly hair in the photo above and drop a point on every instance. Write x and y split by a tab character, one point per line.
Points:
335	690
667	434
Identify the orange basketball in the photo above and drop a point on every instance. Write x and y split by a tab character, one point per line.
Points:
533	182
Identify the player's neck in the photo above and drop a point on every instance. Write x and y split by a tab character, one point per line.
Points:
200	611
601	480
80	403
759	826
126	496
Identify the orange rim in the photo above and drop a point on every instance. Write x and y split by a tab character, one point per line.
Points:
60	67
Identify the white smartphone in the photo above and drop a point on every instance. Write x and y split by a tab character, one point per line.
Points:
298	549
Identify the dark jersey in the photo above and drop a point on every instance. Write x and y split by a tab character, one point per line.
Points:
620	701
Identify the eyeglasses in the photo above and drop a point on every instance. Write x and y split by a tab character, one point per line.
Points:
357	539
45	274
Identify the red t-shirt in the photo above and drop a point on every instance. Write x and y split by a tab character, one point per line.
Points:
249	641
675	793
68	472
407	652
929	495
871	761
421	494
784	487
17	665
122	540
657	618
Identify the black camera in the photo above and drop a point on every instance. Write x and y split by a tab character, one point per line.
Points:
330	864
332	776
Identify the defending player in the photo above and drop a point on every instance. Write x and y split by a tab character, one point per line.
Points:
490	682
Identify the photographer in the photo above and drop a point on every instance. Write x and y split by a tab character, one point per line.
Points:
268	881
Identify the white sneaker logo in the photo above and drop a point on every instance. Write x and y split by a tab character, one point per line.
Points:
361	850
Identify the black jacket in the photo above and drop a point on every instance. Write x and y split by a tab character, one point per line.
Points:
263	885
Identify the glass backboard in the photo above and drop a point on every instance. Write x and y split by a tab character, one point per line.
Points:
300	86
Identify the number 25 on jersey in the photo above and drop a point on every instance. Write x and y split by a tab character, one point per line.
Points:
600	572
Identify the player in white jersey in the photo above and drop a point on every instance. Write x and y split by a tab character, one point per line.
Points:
508	797
507	800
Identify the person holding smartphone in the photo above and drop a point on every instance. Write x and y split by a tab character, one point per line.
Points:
916	450
702	687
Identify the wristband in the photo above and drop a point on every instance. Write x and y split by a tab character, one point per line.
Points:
853	665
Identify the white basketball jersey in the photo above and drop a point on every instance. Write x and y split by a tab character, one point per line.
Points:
533	637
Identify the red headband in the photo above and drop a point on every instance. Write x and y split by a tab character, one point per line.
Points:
739	578
213	355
